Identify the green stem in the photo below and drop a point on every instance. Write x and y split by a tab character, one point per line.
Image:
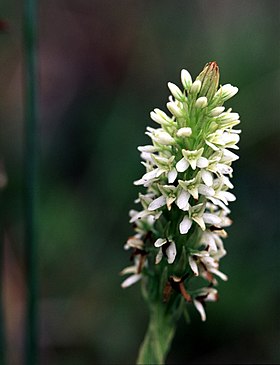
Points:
2	320
30	169
158	338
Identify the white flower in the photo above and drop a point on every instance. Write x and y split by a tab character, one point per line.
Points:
170	250
163	137
191	158
160	117
226	92
175	108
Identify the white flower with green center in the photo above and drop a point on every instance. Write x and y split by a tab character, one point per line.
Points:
180	227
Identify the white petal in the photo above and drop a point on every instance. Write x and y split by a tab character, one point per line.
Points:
150	175
182	165
224	169
131	280
207	177
200	309
229	156
129	270
220	274
209	240
183	200
171	252
200	222
159	242
210	144
229	196
157	203
147	148
210	218
172	176
185	225
193	163
193	265
159	256
202	162
206	190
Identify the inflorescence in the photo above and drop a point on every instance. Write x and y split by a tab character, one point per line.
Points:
184	205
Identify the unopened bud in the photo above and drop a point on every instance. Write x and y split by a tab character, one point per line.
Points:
195	88
186	79
201	102
184	132
176	92
209	78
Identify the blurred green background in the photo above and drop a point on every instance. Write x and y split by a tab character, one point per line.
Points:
103	67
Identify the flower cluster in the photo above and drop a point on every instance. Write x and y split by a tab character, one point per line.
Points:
184	206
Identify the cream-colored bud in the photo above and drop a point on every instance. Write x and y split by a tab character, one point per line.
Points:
174	109
195	87
176	92
217	111
201	102
184	132
186	79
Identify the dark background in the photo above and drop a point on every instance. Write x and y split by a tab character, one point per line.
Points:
104	66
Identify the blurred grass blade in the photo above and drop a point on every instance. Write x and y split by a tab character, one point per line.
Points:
30	180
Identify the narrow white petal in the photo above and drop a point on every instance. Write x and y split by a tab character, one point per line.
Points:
129	270
159	256
150	175
200	309
210	218
220	274
185	225
159	242
210	144
229	156
171	252
229	196
200	222
172	176
131	280
139	182
207	177
157	203
182	165
147	148
193	265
